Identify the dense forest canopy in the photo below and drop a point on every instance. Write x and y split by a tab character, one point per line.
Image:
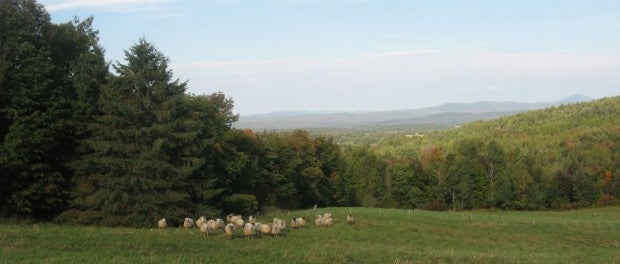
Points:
83	143
559	157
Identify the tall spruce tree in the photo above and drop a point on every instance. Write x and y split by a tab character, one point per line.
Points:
145	147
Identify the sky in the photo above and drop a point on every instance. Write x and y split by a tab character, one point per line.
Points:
369	55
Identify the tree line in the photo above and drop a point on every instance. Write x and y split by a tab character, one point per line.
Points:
91	142
558	158
86	141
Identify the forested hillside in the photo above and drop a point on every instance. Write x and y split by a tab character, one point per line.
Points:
559	157
82	143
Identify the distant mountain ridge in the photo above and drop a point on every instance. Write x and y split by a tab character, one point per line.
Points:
445	115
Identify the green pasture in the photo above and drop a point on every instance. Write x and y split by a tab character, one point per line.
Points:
378	236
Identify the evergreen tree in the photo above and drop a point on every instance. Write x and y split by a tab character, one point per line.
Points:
145	147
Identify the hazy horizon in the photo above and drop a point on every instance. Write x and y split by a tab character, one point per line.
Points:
330	111
369	55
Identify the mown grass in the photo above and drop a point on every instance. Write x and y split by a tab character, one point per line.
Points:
379	236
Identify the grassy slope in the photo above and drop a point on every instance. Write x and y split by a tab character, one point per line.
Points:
379	236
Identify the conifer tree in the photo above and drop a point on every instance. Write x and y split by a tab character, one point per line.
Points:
145	147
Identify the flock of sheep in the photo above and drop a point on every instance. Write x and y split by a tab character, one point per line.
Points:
251	227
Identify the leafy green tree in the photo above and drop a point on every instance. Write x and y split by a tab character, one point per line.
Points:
302	170
337	184
43	68
411	186
368	174
494	162
573	188
28	142
466	175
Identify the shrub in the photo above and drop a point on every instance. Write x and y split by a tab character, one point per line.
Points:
606	200
244	204
436	205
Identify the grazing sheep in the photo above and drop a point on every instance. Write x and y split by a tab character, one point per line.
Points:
231	218
212	225
200	220
161	224
204	228
265	229
327	215
220	224
301	221
252	219
230	230
328	222
350	219
188	222
275	230
318	220
294	223
297	222
249	230
278	222
239	223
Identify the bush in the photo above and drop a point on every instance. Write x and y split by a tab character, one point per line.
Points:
436	205
87	217
606	200
245	204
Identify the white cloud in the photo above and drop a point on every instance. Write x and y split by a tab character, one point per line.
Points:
402	79
119	4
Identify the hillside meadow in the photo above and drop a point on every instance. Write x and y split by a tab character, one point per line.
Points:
378	236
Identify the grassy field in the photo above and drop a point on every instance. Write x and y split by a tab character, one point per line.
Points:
379	236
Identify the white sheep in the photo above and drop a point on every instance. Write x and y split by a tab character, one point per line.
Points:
249	230
297	222
188	222
231	218
275	230
204	228
239	223
230	230
294	223
161	224
252	219
318	220
279	223
327	215
265	229
350	219
200	220
327	221
301	221
212	225
220	224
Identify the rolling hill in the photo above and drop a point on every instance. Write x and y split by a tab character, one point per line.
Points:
437	117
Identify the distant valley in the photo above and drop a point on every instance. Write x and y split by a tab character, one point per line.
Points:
422	119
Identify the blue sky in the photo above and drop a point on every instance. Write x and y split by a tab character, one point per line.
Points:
368	55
